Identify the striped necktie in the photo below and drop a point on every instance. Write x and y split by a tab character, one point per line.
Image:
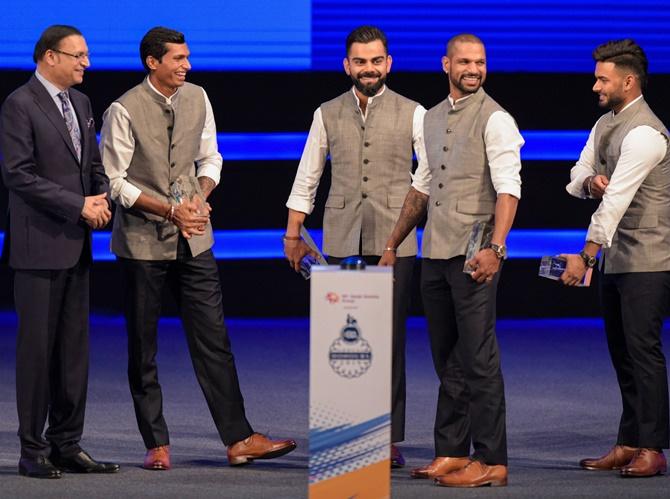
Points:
74	131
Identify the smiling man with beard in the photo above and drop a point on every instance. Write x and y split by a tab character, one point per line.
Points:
370	133
626	164
471	175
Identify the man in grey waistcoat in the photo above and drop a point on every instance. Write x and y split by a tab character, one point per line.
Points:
626	164
370	133
158	131
472	175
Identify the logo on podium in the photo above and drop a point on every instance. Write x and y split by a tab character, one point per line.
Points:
350	355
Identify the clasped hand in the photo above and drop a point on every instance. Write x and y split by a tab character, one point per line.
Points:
191	217
96	212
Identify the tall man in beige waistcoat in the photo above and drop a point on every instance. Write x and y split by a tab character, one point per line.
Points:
472	174
157	131
370	133
626	164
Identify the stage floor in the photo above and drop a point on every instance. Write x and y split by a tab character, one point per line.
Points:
562	400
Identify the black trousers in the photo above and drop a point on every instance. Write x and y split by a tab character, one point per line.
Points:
194	283
402	288
461	317
634	305
52	357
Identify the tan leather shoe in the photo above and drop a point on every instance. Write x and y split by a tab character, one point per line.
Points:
257	446
440	466
646	462
615	459
475	474
397	459
157	458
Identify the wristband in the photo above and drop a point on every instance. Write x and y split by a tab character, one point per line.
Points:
290	238
390	249
169	214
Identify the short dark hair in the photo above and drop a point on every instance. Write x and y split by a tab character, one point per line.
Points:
462	38
366	34
153	43
625	54
51	37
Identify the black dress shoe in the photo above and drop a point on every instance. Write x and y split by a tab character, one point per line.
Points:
38	467
83	463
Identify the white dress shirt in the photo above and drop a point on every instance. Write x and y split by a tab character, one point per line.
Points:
503	145
641	150
117	145
314	156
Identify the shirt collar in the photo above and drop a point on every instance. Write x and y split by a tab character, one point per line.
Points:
370	99
628	105
168	100
51	88
454	102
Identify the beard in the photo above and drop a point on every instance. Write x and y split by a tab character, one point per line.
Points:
459	85
372	89
611	102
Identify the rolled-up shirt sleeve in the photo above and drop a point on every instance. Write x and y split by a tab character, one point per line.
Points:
503	149
310	168
117	146
421	176
209	160
585	167
642	150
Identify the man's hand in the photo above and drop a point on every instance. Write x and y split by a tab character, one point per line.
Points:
574	270
388	259
486	263
295	250
596	185
96	211
190	220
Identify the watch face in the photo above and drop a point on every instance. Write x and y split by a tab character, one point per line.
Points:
500	251
589	261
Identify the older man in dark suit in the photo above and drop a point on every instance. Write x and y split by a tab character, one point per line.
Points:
57	194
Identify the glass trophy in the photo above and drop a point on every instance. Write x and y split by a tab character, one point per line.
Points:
480	237
552	267
309	260
187	188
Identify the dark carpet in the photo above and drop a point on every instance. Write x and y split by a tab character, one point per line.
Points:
562	399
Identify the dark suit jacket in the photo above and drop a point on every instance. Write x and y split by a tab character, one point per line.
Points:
46	181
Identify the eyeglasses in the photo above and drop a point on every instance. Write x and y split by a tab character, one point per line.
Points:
79	57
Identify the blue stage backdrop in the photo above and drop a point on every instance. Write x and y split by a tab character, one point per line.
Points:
234	35
223	35
266	244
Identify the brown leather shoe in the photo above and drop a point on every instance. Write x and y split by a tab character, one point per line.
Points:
646	462
440	466
157	458
397	459
258	446
615	459
475	474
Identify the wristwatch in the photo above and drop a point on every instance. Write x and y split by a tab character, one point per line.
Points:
500	250
589	261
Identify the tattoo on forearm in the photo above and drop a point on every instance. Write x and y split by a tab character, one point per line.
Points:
207	185
413	210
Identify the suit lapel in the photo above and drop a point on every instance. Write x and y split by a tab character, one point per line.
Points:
48	107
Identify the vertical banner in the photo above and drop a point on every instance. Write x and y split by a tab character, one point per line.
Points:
350	383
